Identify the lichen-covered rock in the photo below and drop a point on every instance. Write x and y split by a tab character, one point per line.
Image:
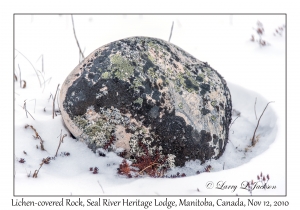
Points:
148	97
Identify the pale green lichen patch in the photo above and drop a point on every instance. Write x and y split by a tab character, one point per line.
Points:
151	58
213	118
138	101
152	73
137	83
93	134
121	67
213	103
106	75
207	69
80	122
154	46
201	75
167	82
93	130
188	82
180	105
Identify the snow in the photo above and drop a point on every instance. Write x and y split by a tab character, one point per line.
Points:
252	72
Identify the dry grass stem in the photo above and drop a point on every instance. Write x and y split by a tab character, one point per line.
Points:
49	80
101	186
37	136
253	141
43	72
59	134
148	167
24	84
76	38
233	122
32	67
26	111
61	140
58	106
53	113
35	174
171	31
51	96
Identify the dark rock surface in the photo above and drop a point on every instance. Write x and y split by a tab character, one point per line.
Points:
146	96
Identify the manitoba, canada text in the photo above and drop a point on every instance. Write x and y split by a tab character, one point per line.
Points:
164	202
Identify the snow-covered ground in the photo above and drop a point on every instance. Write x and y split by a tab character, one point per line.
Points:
252	72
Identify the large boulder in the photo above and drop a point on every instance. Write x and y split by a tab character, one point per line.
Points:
148	97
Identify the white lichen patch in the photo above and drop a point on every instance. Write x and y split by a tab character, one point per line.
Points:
99	127
171	160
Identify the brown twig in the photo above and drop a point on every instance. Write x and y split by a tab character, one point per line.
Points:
37	171
253	142
26	111
76	38
15	77
148	167
24	84
37	136
171	31
53	113
60	141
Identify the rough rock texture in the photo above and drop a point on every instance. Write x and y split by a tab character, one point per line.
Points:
146	96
